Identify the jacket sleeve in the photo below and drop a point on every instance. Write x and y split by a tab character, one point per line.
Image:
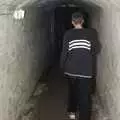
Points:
95	44
64	51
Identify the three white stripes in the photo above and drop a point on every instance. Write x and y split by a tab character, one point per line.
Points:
85	44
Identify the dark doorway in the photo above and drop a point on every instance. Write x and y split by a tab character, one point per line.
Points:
62	24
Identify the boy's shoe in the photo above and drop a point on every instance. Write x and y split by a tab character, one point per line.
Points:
72	116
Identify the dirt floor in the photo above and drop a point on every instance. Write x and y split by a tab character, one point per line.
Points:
51	104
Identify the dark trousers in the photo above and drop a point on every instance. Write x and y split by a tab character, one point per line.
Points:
79	97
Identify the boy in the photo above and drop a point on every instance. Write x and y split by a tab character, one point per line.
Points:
78	48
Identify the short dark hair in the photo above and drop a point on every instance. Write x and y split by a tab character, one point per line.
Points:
77	17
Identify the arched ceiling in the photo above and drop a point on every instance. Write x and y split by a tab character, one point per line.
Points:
10	5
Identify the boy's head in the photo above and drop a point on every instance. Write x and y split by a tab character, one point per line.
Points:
77	19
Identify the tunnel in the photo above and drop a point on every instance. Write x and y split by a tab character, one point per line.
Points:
30	51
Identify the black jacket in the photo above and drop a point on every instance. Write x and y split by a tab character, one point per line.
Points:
79	45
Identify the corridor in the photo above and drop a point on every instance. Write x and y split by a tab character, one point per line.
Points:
31	34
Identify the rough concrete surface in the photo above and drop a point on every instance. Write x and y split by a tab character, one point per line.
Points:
22	60
106	21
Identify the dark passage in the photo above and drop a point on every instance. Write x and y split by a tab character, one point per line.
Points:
51	104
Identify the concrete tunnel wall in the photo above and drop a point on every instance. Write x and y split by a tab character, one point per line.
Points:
23	56
106	20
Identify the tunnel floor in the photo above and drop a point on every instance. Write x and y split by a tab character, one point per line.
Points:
51	104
